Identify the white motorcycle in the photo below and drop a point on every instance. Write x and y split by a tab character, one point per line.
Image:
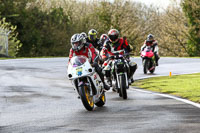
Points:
87	82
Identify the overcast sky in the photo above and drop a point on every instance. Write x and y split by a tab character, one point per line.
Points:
163	3
159	3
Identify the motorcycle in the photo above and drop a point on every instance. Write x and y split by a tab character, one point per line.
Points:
87	82
148	60
119	73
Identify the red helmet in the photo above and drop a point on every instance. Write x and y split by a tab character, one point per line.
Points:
113	35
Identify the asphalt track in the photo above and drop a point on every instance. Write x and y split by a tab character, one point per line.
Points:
37	97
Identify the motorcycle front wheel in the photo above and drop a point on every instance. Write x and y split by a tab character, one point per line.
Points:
118	88
102	100
153	65
145	66
123	86
86	99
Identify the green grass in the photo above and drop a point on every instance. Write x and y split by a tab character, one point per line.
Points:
185	57
185	86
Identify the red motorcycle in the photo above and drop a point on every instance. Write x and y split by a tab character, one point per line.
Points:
148	60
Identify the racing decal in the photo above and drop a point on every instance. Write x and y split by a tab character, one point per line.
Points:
97	83
95	76
79	71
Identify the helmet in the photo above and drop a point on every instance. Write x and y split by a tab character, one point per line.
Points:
77	42
84	34
150	38
92	35
113	35
84	37
103	38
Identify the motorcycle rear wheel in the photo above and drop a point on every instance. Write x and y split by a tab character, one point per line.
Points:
86	99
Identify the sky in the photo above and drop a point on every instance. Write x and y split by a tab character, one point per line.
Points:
159	3
162	4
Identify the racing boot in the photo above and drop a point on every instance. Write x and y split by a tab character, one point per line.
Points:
130	81
156	63
156	58
114	88
109	81
106	87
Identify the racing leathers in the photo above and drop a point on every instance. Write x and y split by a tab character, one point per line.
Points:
95	43
110	48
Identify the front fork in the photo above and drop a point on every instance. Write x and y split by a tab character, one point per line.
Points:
78	83
118	83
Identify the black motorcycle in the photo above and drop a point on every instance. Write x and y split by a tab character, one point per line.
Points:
119	73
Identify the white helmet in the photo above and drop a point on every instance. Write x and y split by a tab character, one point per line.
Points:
77	42
84	37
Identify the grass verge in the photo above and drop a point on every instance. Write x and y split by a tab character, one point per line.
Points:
185	86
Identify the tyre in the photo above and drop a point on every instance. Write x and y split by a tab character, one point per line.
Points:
86	99
123	86
152	71
118	89
120	93
145	66
153	65
102	100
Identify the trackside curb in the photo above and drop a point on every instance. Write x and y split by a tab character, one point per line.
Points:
168	96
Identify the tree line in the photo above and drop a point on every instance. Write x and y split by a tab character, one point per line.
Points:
44	28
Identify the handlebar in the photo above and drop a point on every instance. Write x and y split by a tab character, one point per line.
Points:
119	56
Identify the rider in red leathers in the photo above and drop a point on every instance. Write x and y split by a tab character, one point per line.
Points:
80	47
102	40
115	44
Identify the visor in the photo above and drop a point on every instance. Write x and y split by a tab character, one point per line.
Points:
113	38
93	37
150	39
76	44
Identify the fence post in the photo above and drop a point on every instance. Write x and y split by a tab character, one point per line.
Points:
7	42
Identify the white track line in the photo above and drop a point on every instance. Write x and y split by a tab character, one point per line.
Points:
169	96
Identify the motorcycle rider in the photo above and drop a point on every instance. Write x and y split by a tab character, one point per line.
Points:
92	38
79	47
154	45
115	44
84	37
84	34
102	40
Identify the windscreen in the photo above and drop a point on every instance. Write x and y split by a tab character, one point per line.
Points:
78	61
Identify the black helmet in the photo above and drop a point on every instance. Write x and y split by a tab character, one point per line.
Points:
150	38
92	35
77	42
113	35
